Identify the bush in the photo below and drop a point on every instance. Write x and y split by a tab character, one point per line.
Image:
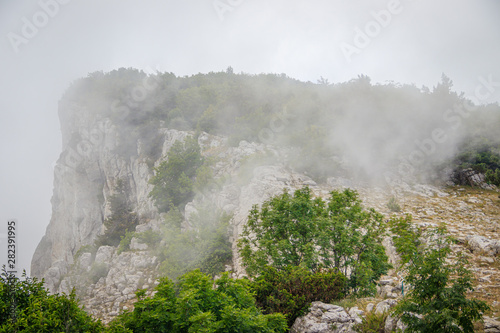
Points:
26	306
301	231
372	322
149	237
292	290
199	304
125	242
493	177
437	300
393	205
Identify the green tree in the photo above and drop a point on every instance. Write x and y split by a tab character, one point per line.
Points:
26	306
436	298
299	230
121	220
173	179
199	304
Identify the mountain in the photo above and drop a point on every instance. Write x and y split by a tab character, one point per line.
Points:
158	173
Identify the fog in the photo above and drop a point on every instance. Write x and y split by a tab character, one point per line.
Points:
47	44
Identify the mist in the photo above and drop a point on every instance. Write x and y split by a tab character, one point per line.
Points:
413	45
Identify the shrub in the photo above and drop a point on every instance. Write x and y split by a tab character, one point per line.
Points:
291	291
372	322
149	237
125	242
436	301
393	205
26	306
493	177
199	304
301	231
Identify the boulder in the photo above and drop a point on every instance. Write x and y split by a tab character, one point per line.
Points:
135	244
480	244
491	325
472	178
327	318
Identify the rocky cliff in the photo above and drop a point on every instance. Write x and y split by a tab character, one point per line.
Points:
86	175
94	160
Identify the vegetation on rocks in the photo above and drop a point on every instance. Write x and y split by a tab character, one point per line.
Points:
199	304
357	119
299	230
174	178
292	290
436	298
26	306
122	218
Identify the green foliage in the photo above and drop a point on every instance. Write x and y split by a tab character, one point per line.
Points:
493	177
125	242
26	306
481	155
205	246
301	231
407	238
393	205
372	322
291	291
149	237
199	304
97	271
122	218
174	178
436	300
204	177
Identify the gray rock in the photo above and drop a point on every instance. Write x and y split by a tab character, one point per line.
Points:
85	260
481	244
326	318
390	324
491	325
135	244
384	306
104	254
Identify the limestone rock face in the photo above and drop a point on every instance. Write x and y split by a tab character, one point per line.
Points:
87	172
93	161
84	179
326	318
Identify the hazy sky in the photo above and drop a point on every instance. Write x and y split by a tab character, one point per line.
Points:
46	44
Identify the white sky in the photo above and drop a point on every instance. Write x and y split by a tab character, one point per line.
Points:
418	42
